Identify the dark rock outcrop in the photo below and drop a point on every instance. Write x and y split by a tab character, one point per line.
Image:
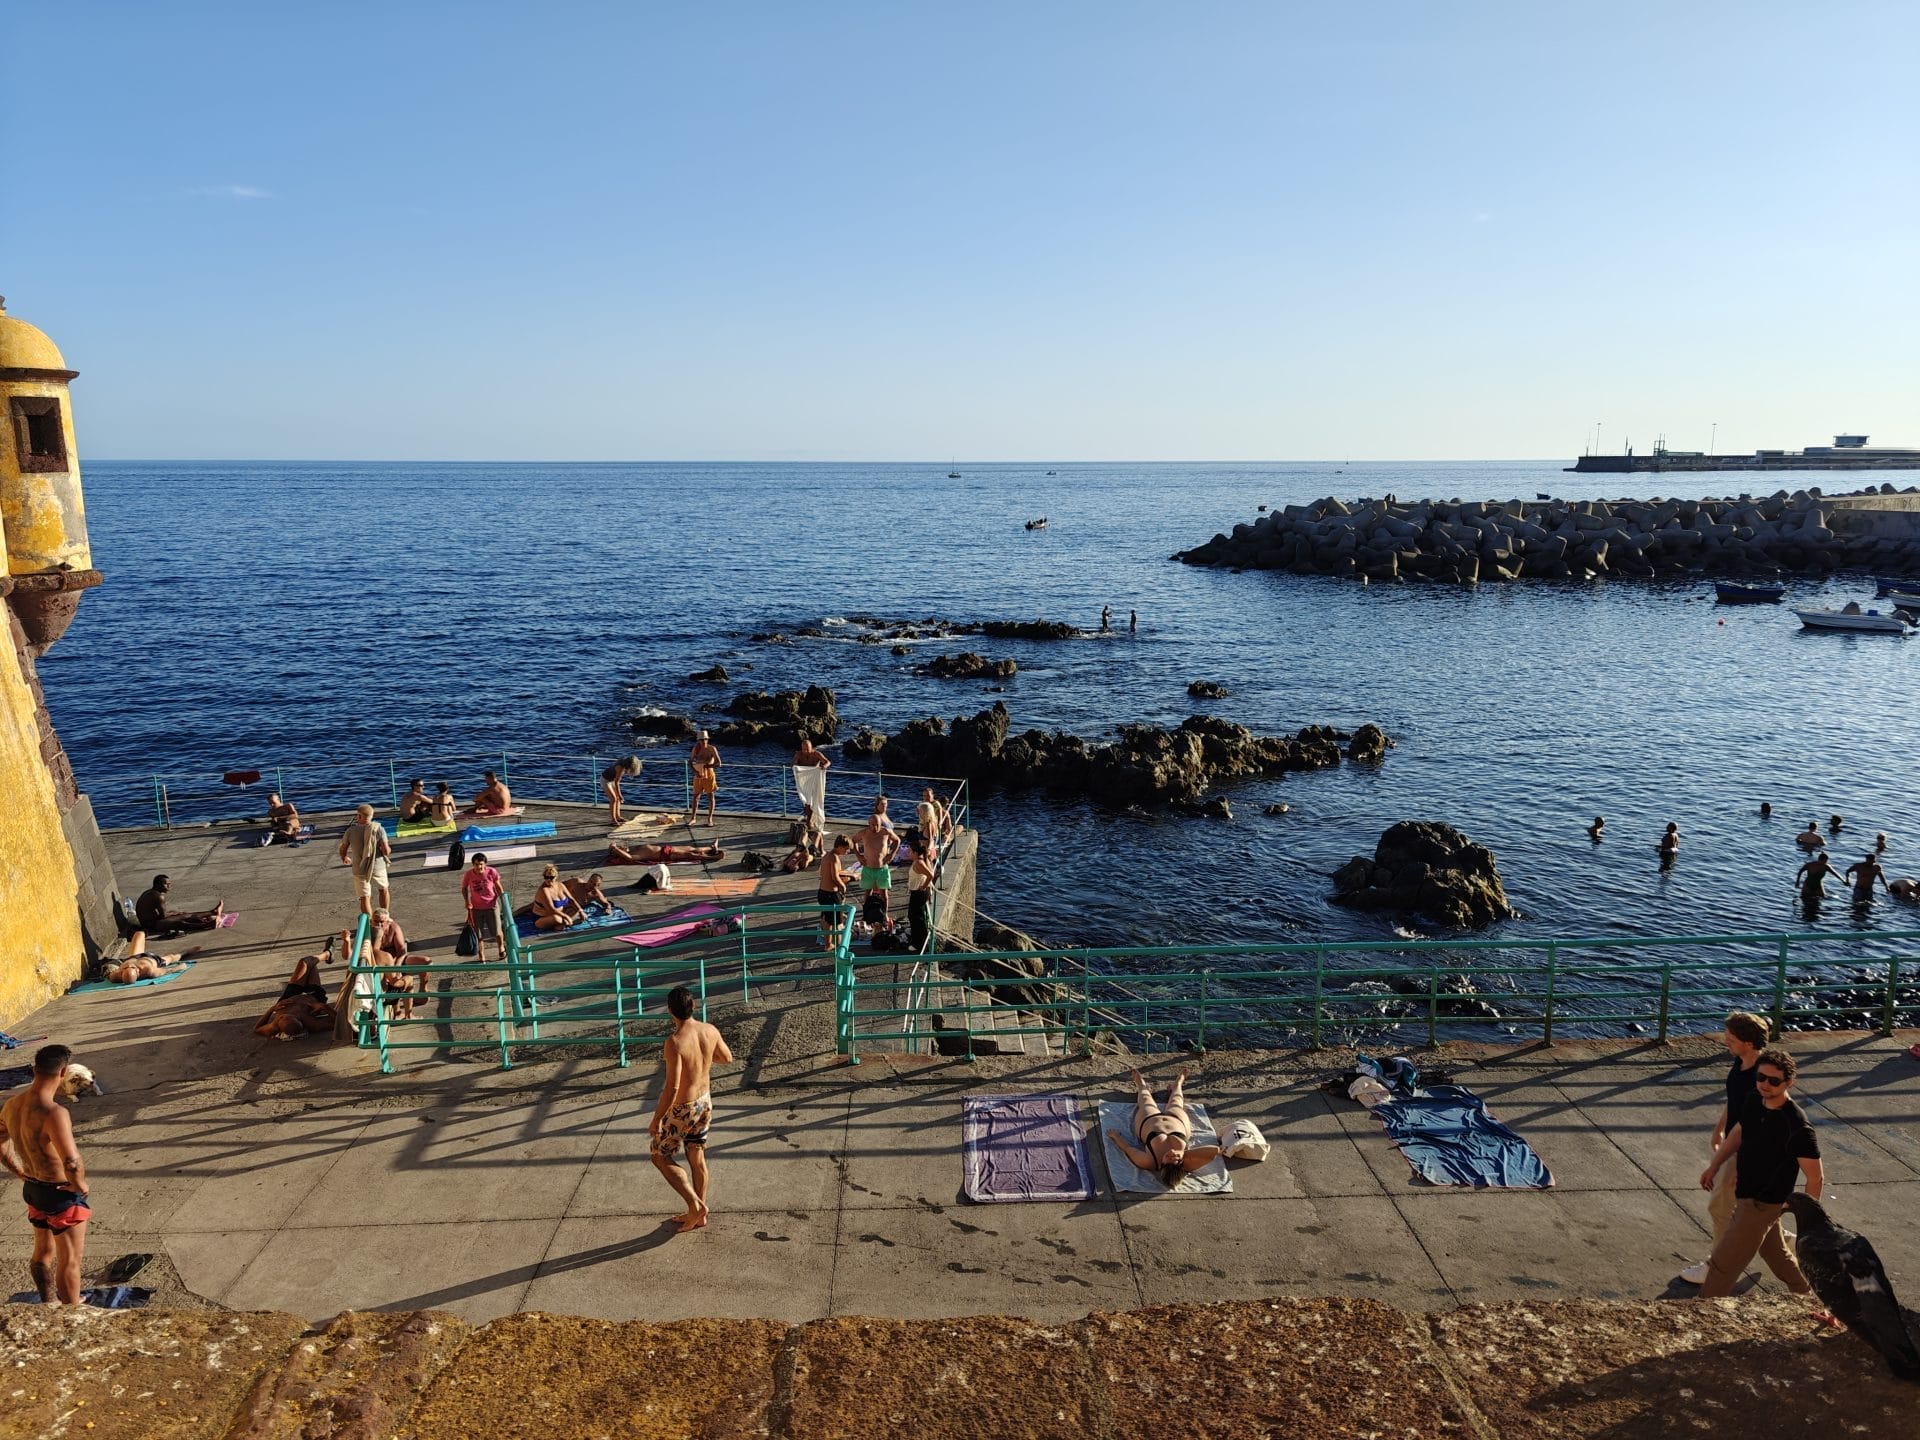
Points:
1422	867
1369	745
760	718
865	742
718	675
1029	630
1207	690
968	666
667	727
1146	765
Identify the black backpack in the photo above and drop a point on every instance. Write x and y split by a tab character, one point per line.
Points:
456	855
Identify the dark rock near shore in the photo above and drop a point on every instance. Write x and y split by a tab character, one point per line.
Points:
1029	630
865	742
1423	867
760	718
1278	808
968	666
1146	765
718	675
1369	745
901	650
668	727
1207	690
772	637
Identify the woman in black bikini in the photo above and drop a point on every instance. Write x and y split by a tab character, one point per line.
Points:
1165	1133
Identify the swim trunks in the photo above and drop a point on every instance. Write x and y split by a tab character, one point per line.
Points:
876	877
51	1208
684	1125
705	782
827	897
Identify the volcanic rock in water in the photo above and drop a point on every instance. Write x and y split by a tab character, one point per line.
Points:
901	650
1423	867
761	718
1369	745
1029	630
968	666
1279	807
1207	690
865	742
718	674
670	727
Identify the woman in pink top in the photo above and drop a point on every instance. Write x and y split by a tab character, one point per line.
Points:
480	884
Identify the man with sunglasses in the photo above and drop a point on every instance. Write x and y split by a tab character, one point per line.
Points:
1772	1145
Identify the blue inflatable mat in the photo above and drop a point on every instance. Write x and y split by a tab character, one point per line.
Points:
596	916
526	830
1449	1139
159	979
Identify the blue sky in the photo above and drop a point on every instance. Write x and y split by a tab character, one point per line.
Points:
1036	231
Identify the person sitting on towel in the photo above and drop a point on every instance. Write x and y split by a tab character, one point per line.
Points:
416	804
139	964
554	907
589	892
1165	1133
156	920
443	805
283	821
494	797
663	854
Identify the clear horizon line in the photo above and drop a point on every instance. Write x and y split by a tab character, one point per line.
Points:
720	460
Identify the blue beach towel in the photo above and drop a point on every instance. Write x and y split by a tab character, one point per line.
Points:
161	979
102	1297
493	834
596	916
1449	1138
14	1076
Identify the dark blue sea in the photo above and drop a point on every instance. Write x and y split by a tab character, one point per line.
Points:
309	615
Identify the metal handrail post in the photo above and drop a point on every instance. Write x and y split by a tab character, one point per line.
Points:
686	783
159	806
1086	1008
620	1014
593	784
1780	987
703	987
166	809
500	1019
1552	962
278	787
380	1027
393	782
786	788
1666	991
504	779
1201	1043
1893	987
1433	1007
1319	987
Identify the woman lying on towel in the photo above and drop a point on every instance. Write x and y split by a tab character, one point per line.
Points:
302	1008
664	854
1165	1134
138	964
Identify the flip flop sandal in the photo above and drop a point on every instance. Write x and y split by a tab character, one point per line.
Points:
124	1269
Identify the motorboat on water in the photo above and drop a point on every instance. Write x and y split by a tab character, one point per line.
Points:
1907	597
1727	593
1037	524
1866	622
1886	585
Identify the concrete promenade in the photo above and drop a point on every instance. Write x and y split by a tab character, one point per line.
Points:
293	1176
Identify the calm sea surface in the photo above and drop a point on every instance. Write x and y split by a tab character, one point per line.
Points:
286	614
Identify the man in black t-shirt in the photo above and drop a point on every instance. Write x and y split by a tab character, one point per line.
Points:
1774	1145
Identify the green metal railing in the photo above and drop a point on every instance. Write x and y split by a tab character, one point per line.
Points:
666	783
589	987
1274	993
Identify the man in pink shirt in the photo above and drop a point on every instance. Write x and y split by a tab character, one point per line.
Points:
480	885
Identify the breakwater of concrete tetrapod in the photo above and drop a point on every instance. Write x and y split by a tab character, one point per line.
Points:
1467	541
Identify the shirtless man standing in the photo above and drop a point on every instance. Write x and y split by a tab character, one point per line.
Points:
705	760
685	1112
877	843
832	888
1811	876
1862	876
39	1150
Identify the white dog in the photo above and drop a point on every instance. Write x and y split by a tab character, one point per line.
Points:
79	1081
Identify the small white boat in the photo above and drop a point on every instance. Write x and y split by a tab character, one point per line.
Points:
1902	599
1870	622
1039	524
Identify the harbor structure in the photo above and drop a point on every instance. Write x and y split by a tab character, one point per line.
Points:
56	883
1847	452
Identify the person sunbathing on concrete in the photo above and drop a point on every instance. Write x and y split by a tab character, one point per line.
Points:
302	1008
554	907
444	805
161	923
139	963
589	892
416	804
663	854
283	821
494	797
1164	1133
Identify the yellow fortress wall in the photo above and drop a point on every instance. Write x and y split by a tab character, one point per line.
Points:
56	887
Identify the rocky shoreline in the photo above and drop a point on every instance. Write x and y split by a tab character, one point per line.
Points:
1470	541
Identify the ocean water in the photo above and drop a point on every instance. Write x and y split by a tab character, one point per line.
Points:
291	614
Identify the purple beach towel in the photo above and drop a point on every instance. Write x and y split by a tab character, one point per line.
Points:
1024	1147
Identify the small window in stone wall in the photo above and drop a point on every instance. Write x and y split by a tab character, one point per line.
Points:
38	436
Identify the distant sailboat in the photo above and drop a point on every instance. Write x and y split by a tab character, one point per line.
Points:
952	473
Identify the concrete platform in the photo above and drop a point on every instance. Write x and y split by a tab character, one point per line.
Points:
294	1176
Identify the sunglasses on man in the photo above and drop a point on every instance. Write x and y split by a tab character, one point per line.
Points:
1765	1079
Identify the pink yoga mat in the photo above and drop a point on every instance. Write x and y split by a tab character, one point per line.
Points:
678	928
